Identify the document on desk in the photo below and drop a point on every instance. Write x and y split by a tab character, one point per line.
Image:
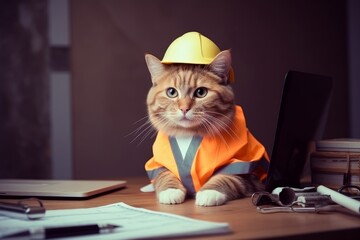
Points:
136	223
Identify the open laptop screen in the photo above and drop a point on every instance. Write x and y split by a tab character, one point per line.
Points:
303	111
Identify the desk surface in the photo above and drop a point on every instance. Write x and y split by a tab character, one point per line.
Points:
242	216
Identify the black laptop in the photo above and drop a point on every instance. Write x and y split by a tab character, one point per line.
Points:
303	112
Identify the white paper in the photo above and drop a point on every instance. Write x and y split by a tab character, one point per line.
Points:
136	223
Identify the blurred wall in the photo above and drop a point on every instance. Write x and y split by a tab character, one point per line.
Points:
60	89
24	90
354	65
110	80
84	128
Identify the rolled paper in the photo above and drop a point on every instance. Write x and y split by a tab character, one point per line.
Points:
286	195
340	199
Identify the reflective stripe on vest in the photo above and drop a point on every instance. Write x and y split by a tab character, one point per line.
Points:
235	151
184	164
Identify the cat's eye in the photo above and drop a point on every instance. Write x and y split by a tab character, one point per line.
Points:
171	92
200	92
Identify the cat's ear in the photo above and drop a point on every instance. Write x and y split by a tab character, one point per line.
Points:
221	65
156	68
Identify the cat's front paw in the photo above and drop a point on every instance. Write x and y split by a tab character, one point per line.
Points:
209	198
171	196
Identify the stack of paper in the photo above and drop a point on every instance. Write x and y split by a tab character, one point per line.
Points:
336	162
137	223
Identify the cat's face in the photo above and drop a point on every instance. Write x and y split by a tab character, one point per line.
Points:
188	99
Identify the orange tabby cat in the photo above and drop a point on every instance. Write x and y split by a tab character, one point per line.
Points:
203	148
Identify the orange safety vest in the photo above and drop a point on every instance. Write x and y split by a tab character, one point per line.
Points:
235	152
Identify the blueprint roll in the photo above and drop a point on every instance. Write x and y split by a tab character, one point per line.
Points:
340	199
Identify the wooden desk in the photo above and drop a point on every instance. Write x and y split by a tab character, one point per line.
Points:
242	216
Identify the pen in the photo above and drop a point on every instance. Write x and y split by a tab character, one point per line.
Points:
68	231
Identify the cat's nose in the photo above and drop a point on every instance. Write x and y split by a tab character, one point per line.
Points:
184	109
185	105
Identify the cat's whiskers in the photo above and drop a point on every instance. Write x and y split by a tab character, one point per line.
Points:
160	121
219	124
149	131
146	128
218	113
143	131
140	127
208	123
211	128
208	128
167	122
146	117
224	125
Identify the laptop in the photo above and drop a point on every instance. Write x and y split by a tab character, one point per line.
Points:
303	112
57	188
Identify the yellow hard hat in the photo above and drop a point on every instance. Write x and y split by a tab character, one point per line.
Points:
192	48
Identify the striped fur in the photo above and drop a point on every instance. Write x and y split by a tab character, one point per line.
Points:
209	115
186	114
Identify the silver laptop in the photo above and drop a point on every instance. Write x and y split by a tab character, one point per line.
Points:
57	188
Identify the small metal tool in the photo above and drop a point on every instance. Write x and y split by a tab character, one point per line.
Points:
22	209
328	208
